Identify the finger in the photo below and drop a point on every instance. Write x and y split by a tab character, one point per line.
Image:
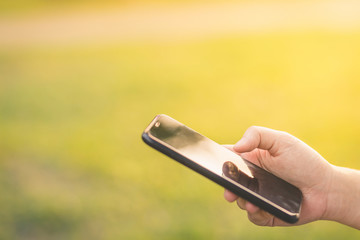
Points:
228	146
251	208
257	137
261	218
252	156
241	203
229	196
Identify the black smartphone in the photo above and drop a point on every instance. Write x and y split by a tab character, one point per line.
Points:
224	167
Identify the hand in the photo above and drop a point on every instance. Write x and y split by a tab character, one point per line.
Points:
292	160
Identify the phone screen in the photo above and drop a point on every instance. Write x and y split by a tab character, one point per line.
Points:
225	163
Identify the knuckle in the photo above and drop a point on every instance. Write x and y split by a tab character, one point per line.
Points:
258	222
253	128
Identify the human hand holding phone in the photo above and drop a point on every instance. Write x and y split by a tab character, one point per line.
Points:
328	191
276	173
224	167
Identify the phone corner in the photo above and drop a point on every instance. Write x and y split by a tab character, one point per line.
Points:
145	137
293	219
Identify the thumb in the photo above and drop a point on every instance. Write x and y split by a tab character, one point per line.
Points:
257	137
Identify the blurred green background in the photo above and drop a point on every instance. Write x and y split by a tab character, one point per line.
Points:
72	162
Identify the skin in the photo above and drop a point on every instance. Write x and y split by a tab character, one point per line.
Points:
329	192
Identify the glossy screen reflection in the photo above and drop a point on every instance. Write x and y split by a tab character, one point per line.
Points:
225	163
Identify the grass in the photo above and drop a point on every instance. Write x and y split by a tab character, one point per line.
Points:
72	161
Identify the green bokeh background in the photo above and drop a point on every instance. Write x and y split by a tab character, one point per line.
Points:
72	162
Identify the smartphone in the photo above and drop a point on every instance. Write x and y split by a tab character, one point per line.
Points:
224	167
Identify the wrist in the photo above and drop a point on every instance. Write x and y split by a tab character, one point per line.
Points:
343	197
